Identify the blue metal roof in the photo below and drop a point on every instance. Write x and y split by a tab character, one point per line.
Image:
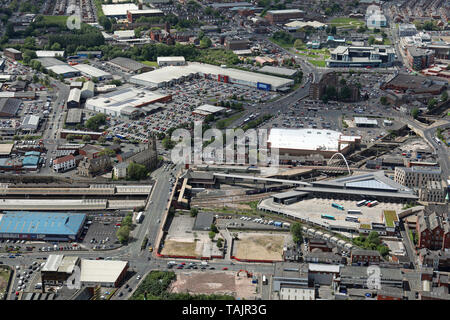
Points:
32	153
46	223
30	161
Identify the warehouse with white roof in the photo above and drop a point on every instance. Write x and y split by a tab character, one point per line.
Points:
126	102
106	273
170	75
299	142
93	72
118	11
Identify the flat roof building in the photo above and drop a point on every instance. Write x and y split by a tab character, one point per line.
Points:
208	109
279	71
173	74
55	226
109	273
129	65
170	61
124	102
30	123
352	56
118	11
74	116
49	54
92	72
365	122
65	70
297	142
133	15
282	16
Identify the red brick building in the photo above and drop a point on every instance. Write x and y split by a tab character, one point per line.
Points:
366	257
432	233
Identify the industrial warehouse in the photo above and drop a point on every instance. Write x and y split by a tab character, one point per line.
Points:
48	226
169	75
297	142
127	102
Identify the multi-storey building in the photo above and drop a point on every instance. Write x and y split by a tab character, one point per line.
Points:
435	191
366	257
352	56
419	58
415	177
432	232
282	16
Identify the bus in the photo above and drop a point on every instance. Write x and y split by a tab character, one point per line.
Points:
372	204
361	203
352	219
354	212
327	216
337	206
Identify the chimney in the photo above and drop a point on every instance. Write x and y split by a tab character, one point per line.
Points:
140	6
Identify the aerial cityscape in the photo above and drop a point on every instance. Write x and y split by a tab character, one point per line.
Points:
200	150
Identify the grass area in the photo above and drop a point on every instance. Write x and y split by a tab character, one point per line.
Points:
4	278
218	57
281	43
390	217
347	23
62	20
318	63
150	63
224	123
98	8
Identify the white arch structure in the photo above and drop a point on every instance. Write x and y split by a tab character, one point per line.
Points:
342	156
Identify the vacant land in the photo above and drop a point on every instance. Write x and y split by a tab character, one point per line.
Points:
214	283
4	278
180	248
259	247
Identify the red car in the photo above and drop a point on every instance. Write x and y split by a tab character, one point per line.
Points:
183	263
224	268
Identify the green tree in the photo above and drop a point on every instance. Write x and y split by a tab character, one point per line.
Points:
432	103
101	140
136	171
70	137
194	212
86	138
211	235
123	234
219	243
374	238
415	113
371	40
444	96
214	228
296	232
383	100
96	121
298	43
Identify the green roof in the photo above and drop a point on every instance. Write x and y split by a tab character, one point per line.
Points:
365	226
390	217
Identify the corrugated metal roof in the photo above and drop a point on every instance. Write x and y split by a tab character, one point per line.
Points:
46	223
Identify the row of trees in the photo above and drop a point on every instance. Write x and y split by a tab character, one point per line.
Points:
123	233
